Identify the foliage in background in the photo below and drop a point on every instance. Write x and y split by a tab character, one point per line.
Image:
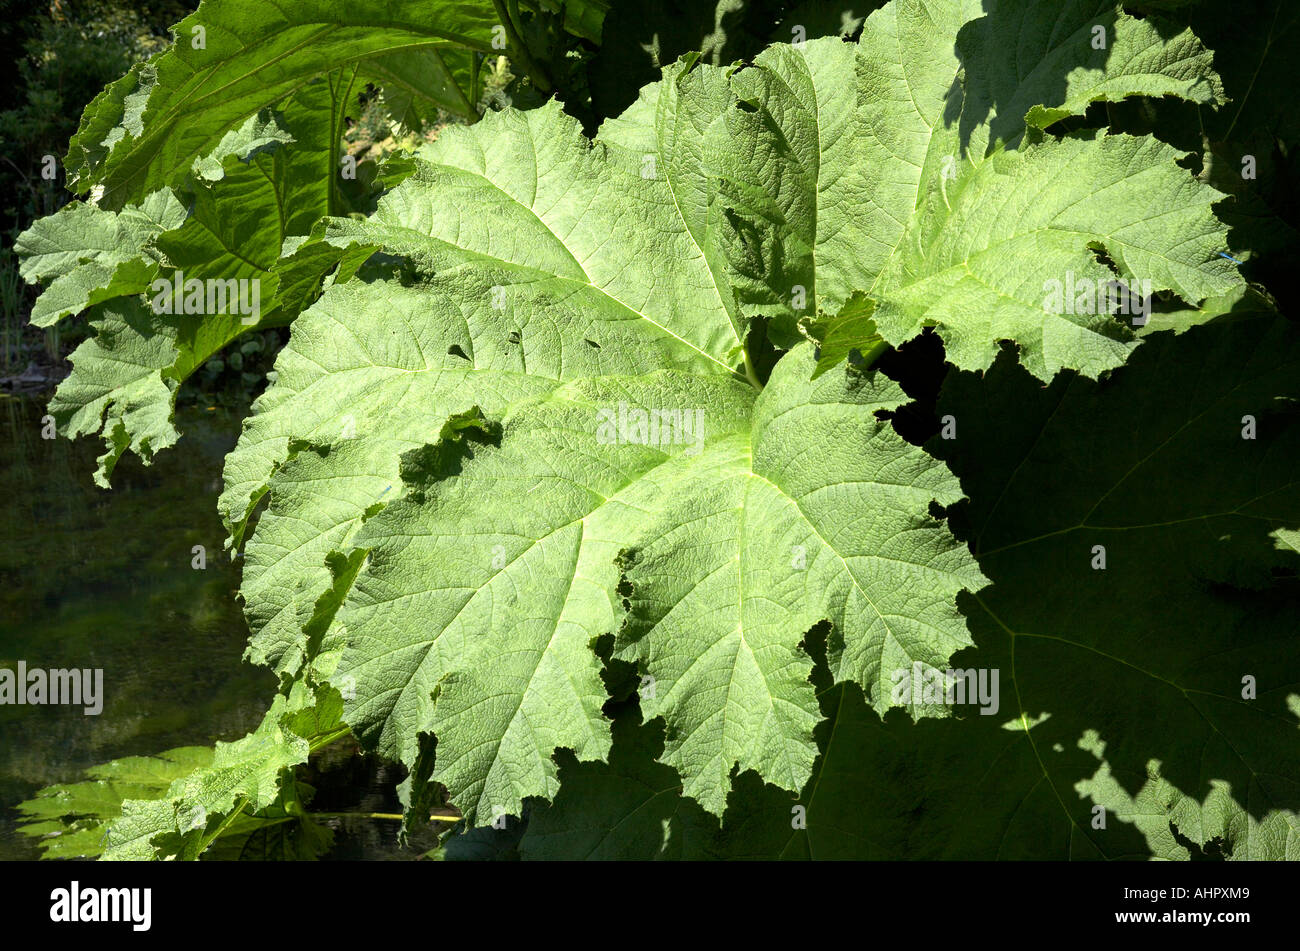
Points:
58	57
64	59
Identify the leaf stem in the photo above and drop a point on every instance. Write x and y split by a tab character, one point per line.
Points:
872	352
394	816
519	50
325	739
205	841
750	373
475	75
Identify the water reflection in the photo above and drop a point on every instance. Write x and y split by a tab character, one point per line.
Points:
90	578
96	579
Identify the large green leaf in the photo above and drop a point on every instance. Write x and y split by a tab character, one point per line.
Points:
71	820
244	778
231	60
472	620
824	516
226	216
444	521
920	183
511	313
118	387
88	255
357	387
245	212
526	195
1121	687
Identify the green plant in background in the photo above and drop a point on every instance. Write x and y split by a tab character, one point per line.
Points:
589	486
61	58
11	305
72	54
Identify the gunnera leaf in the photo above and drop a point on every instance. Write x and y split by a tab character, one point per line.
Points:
240	224
245	788
912	166
464	492
230	61
71	820
1145	704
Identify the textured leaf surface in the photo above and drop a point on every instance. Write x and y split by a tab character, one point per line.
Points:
472	621
548	279
71	820
820	514
1132	699
244	775
245	213
117	387
912	181
551	278
1046	203
358	386
850	332
147	128
448	531
525	197
89	255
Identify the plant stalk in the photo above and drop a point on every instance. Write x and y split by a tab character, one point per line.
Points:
394	816
750	375
519	49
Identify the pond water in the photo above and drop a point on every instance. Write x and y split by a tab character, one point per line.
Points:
104	579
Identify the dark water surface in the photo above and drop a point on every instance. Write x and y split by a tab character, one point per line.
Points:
104	579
